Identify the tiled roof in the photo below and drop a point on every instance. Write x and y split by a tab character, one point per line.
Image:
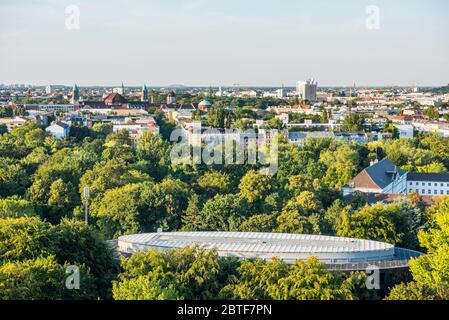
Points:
114	98
372	198
428	177
62	124
378	176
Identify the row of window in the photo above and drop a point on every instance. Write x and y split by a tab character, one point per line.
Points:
429	192
429	184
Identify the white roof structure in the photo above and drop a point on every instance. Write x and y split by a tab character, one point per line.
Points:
333	251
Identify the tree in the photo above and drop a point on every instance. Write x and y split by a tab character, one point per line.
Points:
69	243
119	146
255	187
395	223
215	182
430	272
25	238
62	198
164	204
42	279
118	212
301	214
432	113
224	213
15	208
13	178
274	123
153	151
219	116
192	220
109	175
80	244
101	130
259	223
259	280
353	122
187	273
342	165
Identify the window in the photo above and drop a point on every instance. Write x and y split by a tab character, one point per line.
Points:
423	191
417	183
410	191
430	191
430	184
442	191
411	183
435	192
436	184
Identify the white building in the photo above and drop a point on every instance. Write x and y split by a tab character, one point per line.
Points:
136	127
406	131
283	117
428	184
12	123
300	137
385	177
307	89
59	130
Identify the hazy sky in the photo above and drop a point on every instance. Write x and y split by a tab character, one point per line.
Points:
222	42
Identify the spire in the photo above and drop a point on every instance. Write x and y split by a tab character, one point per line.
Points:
144	94
75	94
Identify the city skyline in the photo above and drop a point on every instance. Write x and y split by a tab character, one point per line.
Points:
203	43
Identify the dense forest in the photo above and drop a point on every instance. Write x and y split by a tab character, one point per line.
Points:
135	188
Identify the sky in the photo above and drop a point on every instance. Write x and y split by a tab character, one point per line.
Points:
225	42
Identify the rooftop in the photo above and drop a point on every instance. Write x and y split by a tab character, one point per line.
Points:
337	253
260	242
428	177
377	176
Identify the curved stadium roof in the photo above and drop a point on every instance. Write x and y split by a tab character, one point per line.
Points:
338	253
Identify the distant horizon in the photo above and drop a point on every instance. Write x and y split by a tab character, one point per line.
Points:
80	85
264	43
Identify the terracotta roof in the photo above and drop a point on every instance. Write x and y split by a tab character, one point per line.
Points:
377	176
372	198
115	98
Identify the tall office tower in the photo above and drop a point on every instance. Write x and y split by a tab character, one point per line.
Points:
306	90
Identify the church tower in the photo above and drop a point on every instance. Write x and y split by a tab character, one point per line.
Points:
144	94
171	97
75	95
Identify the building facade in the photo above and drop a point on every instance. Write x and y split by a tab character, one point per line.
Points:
307	89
